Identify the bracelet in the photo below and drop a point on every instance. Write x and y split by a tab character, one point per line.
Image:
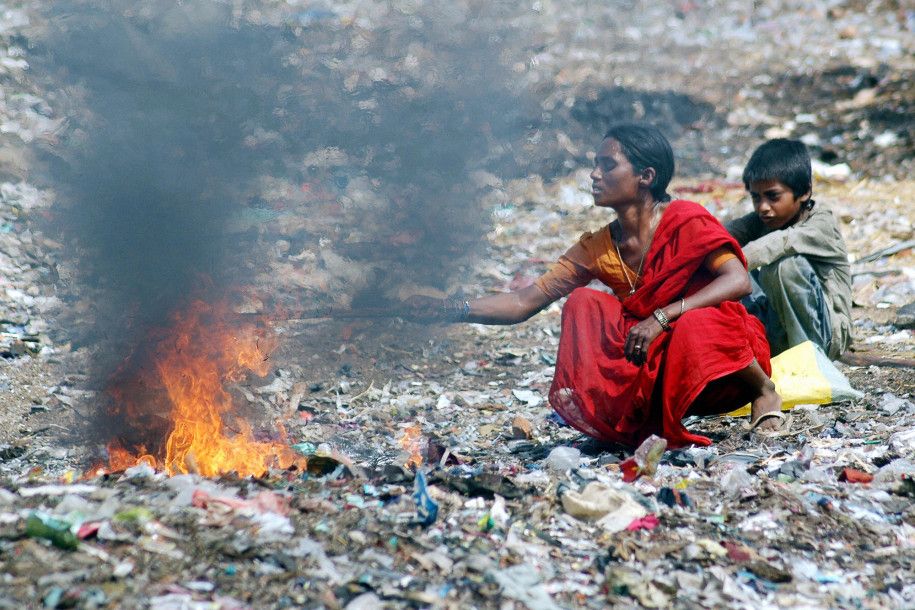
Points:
662	318
682	306
465	311
454	310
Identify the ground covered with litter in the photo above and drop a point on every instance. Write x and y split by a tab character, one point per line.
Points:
422	466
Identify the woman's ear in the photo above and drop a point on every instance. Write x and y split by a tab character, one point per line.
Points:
646	178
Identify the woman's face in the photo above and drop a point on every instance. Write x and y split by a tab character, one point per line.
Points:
613	180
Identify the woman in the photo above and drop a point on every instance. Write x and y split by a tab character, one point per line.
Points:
673	339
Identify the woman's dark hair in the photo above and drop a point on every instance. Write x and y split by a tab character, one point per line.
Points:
645	146
784	160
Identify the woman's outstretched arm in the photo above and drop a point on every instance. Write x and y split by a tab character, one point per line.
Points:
508	307
505	308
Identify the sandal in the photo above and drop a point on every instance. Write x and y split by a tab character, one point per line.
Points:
783	428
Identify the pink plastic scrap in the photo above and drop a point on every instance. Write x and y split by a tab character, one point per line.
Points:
264	502
648	522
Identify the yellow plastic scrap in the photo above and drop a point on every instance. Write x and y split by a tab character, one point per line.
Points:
804	375
711	547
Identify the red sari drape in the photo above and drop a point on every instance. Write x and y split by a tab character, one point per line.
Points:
599	392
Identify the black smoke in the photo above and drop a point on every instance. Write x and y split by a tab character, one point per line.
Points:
178	111
175	112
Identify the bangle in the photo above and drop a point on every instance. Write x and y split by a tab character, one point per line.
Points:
454	310
682	306
662	318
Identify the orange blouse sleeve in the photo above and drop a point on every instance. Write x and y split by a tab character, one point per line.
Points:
719	257
572	270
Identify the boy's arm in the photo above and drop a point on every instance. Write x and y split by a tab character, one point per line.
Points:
817	237
745	228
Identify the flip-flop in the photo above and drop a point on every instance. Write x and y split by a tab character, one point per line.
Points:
783	428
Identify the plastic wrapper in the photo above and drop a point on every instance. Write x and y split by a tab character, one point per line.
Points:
426	508
646	459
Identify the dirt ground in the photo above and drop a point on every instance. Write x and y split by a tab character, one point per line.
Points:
769	523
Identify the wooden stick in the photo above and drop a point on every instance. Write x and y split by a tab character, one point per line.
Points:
866	359
362	313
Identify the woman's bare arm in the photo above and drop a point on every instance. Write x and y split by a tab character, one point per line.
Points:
508	307
731	283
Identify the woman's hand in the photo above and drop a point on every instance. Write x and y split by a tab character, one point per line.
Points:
640	337
420	308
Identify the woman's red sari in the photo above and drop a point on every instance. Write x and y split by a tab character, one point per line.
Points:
602	394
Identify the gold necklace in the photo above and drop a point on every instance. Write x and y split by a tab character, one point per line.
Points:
623	265
638	273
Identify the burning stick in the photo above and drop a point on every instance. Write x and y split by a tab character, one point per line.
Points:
363	313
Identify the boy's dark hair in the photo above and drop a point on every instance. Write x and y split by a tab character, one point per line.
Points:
645	146
784	160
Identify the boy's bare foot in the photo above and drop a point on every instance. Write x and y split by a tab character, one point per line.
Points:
767	402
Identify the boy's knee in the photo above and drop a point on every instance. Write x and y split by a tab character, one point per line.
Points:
789	270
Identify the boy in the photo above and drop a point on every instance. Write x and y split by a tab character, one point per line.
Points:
795	252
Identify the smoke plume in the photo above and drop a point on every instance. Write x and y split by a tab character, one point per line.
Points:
210	145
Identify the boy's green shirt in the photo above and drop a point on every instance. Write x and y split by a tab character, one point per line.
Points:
817	238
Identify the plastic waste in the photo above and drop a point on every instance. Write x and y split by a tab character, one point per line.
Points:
57	531
263	502
562	459
523	583
892	404
736	481
499	513
140	471
805	375
903	442
648	522
623	580
426	508
674	497
136	514
646	459
607	507
305	448
895	471
853	475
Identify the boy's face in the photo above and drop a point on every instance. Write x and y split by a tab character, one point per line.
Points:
775	203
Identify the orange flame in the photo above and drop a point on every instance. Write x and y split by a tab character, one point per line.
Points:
411	442
204	348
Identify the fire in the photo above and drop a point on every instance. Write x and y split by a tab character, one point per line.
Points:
411	442
205	348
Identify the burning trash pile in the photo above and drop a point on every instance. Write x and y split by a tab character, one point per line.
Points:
191	361
177	435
